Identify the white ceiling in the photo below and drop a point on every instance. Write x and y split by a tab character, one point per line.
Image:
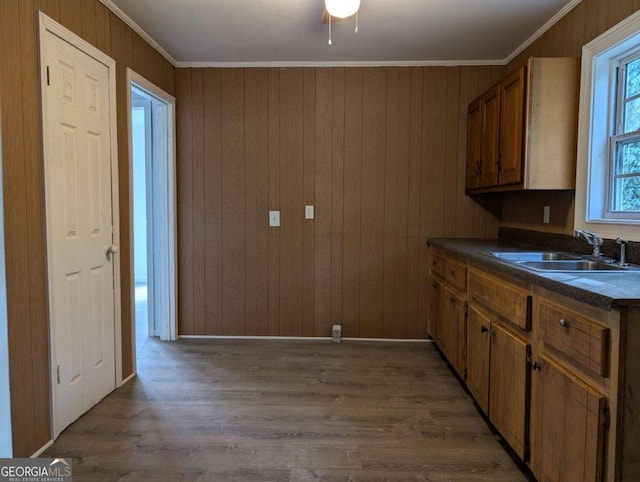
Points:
391	31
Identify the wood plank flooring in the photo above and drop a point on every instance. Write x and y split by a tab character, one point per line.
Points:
236	410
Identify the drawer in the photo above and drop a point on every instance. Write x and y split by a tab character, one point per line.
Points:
455	274
509	302
437	264
583	341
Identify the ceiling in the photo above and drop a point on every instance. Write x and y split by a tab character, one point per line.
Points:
391	31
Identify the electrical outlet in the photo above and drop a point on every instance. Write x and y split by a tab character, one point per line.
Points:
308	212
336	333
274	219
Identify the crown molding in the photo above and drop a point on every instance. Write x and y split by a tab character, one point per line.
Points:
391	63
136	28
381	63
540	32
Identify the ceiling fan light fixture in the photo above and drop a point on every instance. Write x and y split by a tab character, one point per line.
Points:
342	8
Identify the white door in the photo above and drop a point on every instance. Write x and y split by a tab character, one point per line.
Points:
78	179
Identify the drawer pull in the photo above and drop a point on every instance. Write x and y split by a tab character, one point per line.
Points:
563	323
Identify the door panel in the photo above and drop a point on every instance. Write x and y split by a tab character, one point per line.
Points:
478	357
490	137
453	327
474	144
511	128
569	418
79	228
509	387
435	313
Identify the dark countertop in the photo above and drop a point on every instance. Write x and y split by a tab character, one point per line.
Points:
604	290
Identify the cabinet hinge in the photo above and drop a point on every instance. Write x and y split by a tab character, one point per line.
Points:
527	452
466	309
58	374
606	417
48	81
529	359
464	373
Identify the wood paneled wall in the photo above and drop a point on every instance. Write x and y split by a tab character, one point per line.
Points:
565	39
24	193
378	151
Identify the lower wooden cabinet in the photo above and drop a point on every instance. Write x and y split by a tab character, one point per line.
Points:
557	378
509	388
453	313
478	328
436	292
448	308
568	426
498	377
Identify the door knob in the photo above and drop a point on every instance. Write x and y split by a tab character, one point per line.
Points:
112	249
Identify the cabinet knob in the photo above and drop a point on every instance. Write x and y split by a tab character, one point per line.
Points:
536	366
563	323
483	329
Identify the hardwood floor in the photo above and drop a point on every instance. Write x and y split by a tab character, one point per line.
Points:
230	410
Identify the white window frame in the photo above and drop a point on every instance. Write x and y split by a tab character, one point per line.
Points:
619	136
597	120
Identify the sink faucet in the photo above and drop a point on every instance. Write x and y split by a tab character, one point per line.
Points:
623	245
592	238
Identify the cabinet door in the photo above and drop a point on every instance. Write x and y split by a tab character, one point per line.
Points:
435	313
511	128
509	387
490	136
568	430
478	328
474	144
454	332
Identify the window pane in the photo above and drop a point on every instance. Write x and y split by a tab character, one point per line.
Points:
627	194
632	115
633	78
628	157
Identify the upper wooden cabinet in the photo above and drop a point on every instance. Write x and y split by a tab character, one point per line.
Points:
474	144
522	132
489	136
511	128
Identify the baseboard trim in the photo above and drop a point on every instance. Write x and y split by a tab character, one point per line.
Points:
304	338
390	340
42	449
128	379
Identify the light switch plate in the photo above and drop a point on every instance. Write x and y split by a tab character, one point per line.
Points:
546	215
274	219
308	212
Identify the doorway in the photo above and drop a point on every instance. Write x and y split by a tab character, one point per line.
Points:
81	205
152	148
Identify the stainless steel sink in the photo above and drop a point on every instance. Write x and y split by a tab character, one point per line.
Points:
532	256
561	262
574	265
